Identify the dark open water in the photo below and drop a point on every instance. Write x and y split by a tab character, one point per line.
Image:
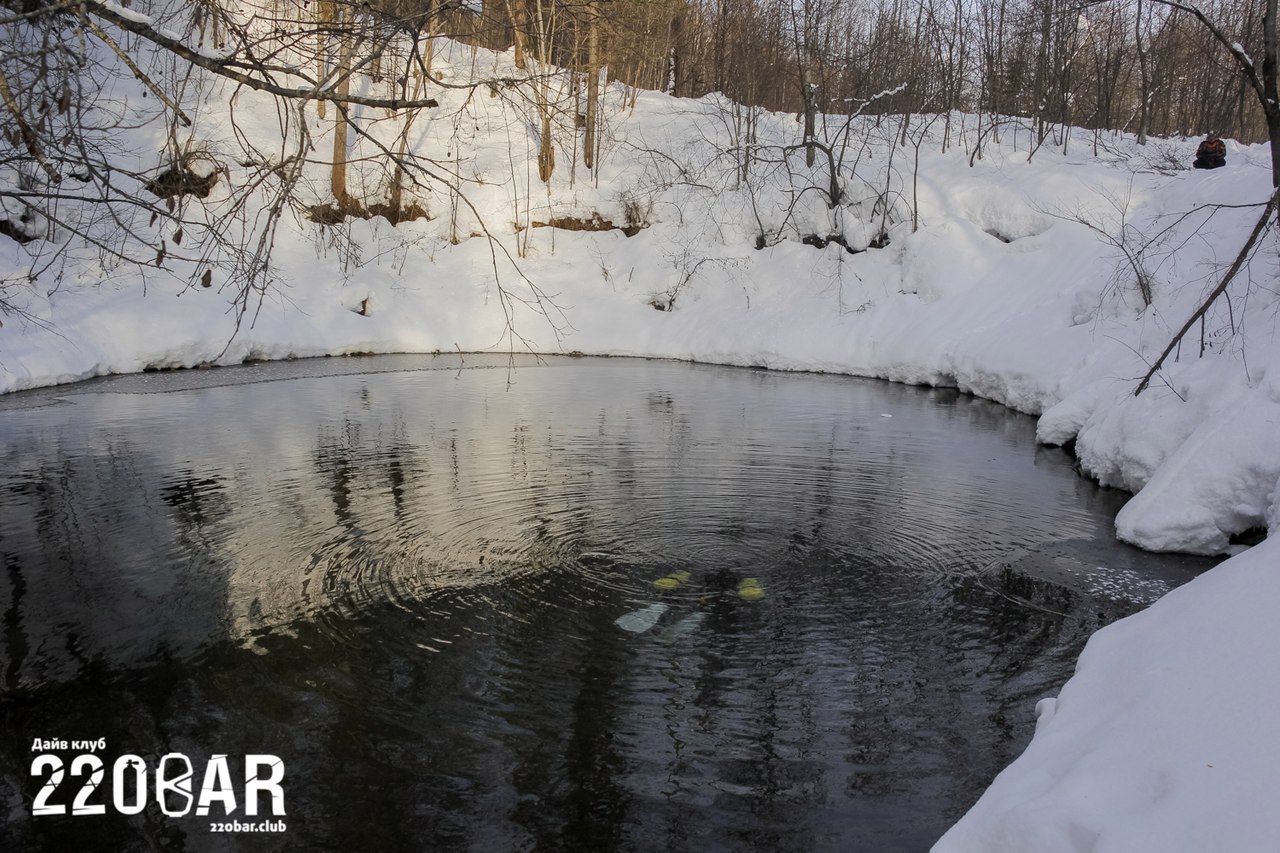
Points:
400	576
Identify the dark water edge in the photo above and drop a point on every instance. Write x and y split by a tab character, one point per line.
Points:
404	581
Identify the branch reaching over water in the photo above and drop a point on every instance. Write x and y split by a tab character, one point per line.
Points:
1236	266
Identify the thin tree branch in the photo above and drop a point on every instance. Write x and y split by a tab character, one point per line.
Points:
1239	262
28	135
226	67
137	72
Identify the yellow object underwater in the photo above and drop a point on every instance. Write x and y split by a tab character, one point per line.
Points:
750	590
672	580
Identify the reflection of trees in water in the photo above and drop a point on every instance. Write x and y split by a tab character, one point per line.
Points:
435	658
16	647
94	566
542	728
196	500
200	511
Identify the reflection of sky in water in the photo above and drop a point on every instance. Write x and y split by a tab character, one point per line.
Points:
409	579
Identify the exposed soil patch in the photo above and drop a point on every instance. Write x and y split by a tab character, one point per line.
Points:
332	214
595	223
177	181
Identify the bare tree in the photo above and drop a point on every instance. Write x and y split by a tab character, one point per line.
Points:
1265	87
207	207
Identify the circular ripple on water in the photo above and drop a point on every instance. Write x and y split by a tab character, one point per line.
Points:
413	581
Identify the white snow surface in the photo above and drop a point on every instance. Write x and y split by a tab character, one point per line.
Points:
1010	283
1163	740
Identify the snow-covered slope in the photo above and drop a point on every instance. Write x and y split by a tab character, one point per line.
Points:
1011	286
1164	739
1009	275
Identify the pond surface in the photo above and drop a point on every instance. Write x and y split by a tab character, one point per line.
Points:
420	582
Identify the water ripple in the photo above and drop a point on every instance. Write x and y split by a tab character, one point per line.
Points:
588	605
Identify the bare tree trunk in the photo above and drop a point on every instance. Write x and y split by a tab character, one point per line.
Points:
338	174
810	112
1144	79
518	20
546	146
397	177
593	85
1270	95
29	137
324	16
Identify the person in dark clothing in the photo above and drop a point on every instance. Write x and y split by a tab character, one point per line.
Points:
1211	154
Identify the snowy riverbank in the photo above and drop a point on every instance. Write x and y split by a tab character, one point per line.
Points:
1014	285
1164	738
1003	289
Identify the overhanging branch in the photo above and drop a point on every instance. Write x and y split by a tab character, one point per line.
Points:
1236	266
226	67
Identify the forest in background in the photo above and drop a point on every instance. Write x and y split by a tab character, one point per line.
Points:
1139	66
131	175
205	183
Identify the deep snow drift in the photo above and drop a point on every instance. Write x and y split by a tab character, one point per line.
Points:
1002	289
1164	739
1007	275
